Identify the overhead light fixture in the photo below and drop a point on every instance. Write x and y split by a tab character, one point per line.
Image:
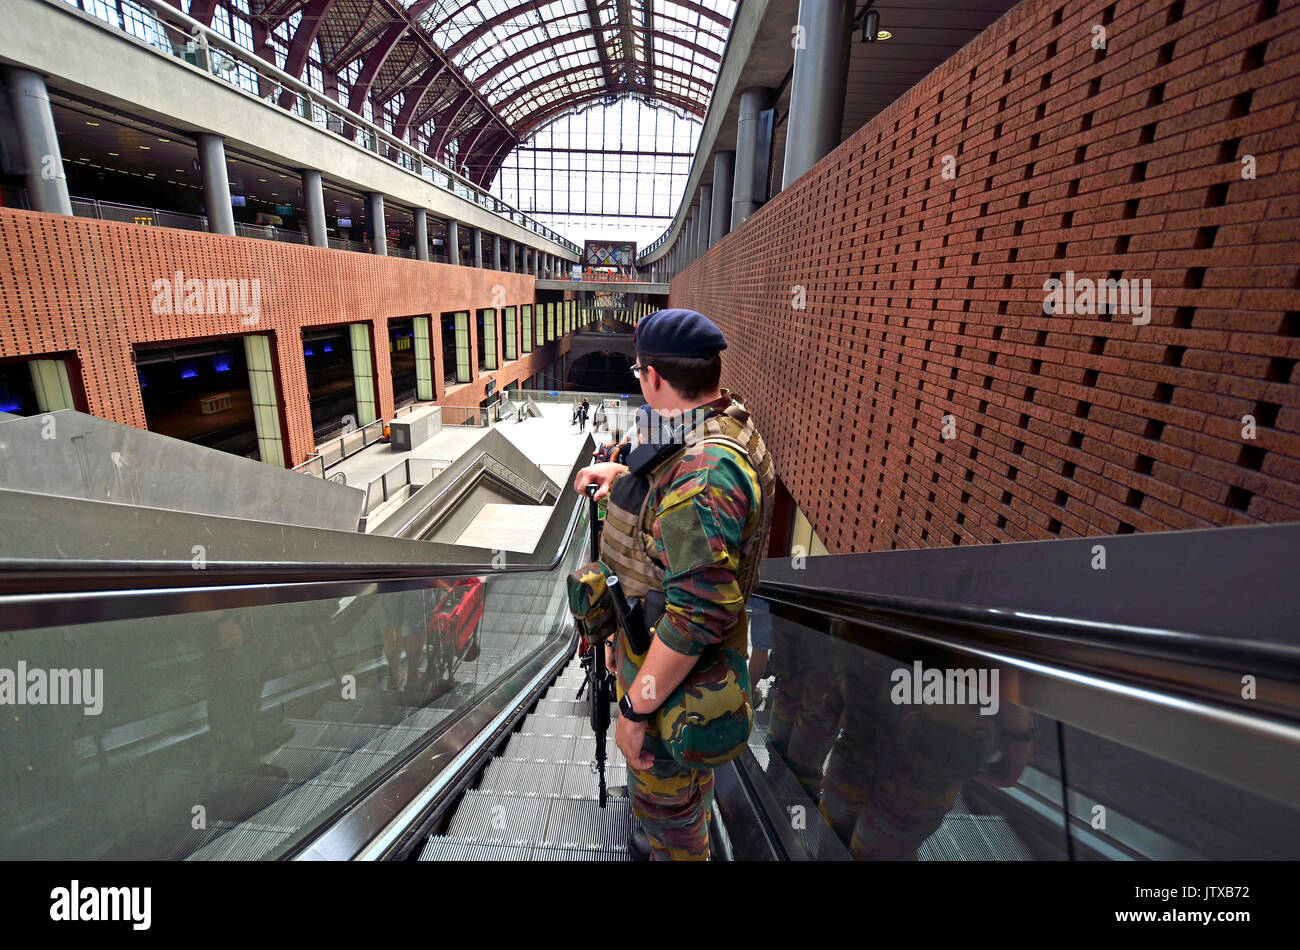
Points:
871	31
143	147
261	179
92	123
164	140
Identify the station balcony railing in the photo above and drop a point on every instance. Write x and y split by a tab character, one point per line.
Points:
156	217
163	28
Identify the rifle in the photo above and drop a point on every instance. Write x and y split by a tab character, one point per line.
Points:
597	681
631	616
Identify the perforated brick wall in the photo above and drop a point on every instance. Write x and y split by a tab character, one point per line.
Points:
925	295
85	286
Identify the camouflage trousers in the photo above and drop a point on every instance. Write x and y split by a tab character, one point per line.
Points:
673	804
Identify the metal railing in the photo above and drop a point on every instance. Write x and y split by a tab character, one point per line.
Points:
536	492
573	395
383	488
330	453
167	30
464	416
156	217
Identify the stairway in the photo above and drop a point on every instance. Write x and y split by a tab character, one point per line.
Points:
537	800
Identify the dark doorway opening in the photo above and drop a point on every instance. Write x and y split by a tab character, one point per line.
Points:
602	373
327	352
199	392
401	354
449	349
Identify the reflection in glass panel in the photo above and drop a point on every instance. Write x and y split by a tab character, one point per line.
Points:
861	765
231	734
1158	810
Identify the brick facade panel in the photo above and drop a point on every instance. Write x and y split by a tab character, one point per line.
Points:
924	297
86	287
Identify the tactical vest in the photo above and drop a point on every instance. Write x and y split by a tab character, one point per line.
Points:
627	543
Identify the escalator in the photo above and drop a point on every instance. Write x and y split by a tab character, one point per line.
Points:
287	708
537	799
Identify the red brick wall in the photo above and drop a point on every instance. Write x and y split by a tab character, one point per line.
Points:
925	296
85	286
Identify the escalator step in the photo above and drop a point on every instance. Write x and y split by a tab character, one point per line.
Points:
441	848
561	707
540	748
500	819
519	777
576	823
555	726
579	781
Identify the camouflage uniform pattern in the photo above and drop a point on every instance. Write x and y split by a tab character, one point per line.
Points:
698	535
589	603
893	771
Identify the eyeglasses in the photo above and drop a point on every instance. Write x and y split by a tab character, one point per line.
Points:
636	370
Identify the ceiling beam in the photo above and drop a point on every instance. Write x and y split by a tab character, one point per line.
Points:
598	36
697	107
514	11
649	34
295	61
484	79
631	65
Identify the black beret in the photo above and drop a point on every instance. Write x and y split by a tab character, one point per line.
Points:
678	333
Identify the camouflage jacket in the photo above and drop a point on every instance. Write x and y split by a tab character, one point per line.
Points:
703	506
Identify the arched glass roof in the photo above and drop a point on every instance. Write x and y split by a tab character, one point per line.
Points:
470	80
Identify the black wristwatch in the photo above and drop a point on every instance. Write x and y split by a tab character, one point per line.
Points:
628	713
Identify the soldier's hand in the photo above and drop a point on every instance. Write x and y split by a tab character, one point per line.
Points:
629	737
602	475
609	657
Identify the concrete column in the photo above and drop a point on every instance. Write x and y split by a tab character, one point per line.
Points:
496	252
753	153
375	221
476	246
510	256
313	197
421	234
453	242
724	167
530	261
216	183
821	70
706	216
47	185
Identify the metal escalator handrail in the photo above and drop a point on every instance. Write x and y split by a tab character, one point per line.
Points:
1042	635
161	588
1185	706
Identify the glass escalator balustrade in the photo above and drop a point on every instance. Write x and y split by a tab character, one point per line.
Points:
862	755
235	734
